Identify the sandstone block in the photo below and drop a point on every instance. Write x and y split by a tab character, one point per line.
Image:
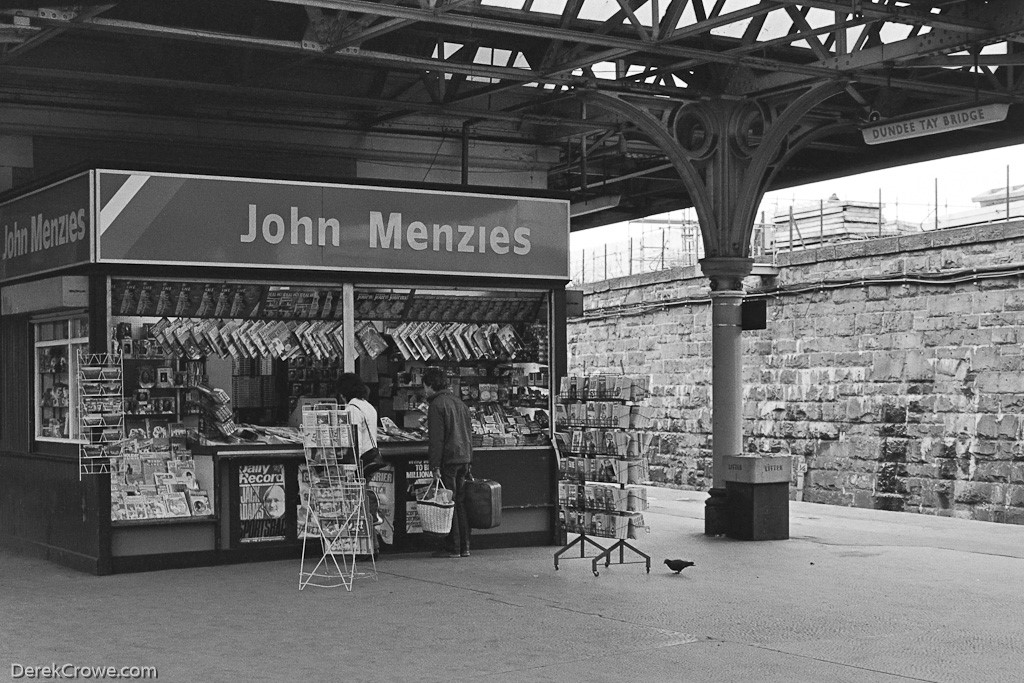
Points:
986	426
824	479
971	493
827	496
886	367
1014	496
1014	301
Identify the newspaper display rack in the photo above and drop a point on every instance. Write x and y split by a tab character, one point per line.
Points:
338	509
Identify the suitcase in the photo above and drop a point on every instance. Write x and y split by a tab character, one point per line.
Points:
483	503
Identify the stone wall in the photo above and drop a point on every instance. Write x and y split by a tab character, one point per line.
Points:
891	370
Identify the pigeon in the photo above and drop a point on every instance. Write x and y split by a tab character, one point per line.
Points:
679	565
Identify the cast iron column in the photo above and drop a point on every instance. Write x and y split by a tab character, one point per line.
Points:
727	151
726	276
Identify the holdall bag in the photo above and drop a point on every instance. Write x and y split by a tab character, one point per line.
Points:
436	509
483	502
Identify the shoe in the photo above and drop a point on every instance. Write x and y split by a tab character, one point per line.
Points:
464	553
454	554
444	553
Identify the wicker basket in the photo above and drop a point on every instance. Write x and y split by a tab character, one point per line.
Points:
436	509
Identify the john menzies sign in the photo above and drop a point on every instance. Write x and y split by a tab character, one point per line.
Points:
46	230
160	218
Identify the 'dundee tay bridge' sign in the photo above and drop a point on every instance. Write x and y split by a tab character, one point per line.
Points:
977	115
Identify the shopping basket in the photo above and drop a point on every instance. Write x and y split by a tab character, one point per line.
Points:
436	508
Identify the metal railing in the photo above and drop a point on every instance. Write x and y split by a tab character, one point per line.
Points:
667	244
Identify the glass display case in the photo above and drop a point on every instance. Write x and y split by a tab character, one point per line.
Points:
57	343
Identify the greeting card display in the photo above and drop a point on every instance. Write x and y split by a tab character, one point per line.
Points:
602	464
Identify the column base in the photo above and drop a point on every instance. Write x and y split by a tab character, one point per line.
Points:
716	513
758	512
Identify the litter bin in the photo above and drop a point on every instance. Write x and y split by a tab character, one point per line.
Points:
757	491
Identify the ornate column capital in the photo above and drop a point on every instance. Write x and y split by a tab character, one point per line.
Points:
726	273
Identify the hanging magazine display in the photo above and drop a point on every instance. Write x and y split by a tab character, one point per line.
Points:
261	503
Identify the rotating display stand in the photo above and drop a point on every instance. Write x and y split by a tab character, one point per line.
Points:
602	460
338	510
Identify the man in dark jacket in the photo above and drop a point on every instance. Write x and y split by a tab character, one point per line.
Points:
450	432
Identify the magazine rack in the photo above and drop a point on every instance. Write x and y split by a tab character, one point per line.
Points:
338	510
605	454
100	410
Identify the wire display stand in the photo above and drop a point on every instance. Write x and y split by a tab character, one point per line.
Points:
338	510
100	408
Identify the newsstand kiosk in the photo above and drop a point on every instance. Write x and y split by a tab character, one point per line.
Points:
161	332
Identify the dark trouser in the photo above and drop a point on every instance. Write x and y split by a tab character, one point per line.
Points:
454	477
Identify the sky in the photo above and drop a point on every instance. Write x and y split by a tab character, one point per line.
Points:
908	192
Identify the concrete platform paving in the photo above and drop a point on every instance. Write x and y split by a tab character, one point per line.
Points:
853	595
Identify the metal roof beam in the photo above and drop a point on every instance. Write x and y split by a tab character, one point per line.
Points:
934	42
897	14
256	94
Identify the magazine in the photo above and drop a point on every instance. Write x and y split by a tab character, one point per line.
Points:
154	505
211	338
433	337
313	341
371	340
176	505
323	344
260	338
337	336
201	339
419	336
134	508
459	336
185	474
509	340
223	305
239	334
305	522
163	479
408	349
403	348
324	334
199	503
292	345
284	339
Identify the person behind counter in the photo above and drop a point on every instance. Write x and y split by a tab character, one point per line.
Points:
450	438
364	417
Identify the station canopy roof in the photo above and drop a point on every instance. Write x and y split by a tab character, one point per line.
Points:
513	71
